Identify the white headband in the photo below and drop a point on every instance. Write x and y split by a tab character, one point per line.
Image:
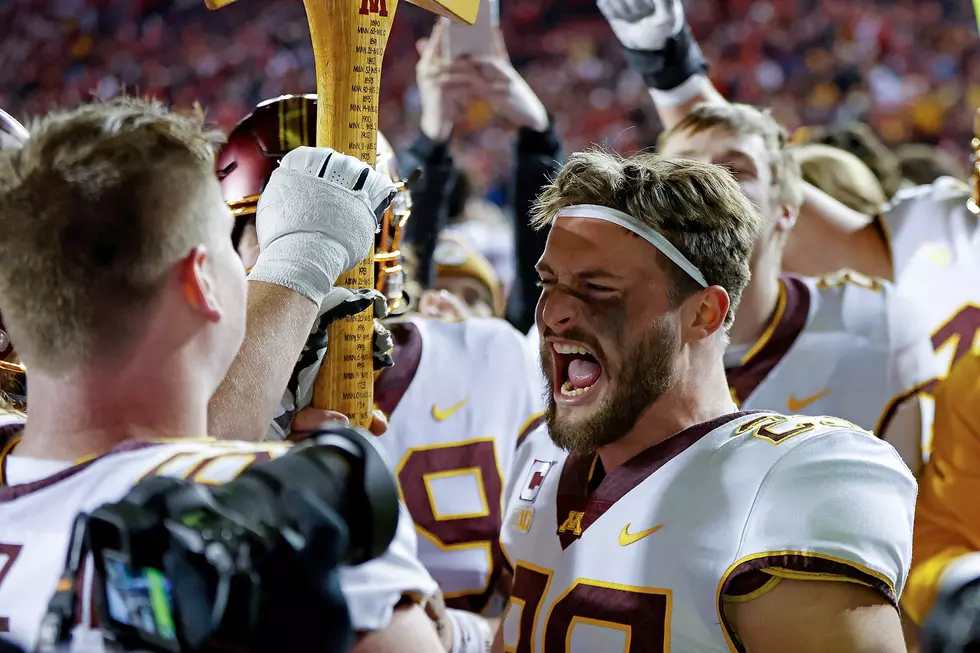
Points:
628	222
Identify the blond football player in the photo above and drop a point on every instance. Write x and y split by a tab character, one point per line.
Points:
651	515
121	286
457	400
843	344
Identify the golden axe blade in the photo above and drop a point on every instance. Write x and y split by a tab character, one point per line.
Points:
349	39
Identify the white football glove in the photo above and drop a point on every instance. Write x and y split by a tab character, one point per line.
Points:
317	219
643	24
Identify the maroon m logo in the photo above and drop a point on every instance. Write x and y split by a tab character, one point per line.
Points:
379	7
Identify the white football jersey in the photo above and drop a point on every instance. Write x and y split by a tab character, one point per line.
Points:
458	399
645	560
40	499
843	345
935	248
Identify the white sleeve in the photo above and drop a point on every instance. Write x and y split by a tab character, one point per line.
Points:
917	215
374	588
912	366
837	505
913	361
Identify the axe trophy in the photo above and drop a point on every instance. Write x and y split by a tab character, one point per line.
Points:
349	39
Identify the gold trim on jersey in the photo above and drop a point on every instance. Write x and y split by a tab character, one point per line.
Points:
527	423
485	545
770	329
14	441
759	427
451	473
775	554
792	574
666	593
847	276
537	612
892	405
595	459
767	587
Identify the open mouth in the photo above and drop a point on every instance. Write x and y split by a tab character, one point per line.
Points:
578	370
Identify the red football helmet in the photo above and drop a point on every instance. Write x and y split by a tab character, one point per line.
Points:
13	374
254	149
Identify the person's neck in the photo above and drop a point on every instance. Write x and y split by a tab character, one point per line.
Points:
698	397
758	305
88	414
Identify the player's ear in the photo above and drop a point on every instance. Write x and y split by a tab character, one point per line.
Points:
704	313
198	285
788	215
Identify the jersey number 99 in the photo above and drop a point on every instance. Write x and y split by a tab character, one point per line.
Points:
453	493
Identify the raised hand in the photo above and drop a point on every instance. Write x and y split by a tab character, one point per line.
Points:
317	219
643	24
496	80
443	92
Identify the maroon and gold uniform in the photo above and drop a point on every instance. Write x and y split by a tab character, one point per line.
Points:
39	500
645	557
458	399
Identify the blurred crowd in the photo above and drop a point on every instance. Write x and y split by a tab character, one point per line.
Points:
909	68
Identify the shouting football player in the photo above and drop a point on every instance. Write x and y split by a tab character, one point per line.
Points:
925	240
650	515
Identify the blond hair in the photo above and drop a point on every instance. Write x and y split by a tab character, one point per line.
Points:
698	207
95	208
843	176
745	120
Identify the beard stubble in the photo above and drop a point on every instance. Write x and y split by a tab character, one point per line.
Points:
647	373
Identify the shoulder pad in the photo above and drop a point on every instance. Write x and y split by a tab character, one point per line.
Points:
944	189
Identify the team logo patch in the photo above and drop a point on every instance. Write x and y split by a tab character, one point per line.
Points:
535	479
522	519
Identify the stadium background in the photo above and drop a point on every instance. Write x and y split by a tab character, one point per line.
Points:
910	68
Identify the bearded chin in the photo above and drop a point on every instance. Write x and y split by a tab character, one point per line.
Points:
648	373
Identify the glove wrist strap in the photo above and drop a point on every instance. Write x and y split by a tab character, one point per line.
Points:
667	68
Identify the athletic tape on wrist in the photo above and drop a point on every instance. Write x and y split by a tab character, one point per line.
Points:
471	632
691	89
628	222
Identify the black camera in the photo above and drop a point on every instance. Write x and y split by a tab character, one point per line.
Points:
246	566
953	624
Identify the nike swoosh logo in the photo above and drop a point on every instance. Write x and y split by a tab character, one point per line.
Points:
626	538
795	405
443	415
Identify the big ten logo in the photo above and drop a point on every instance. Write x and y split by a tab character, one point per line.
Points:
379	7
522	519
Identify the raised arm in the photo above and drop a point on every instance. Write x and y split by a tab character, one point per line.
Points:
659	46
310	231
